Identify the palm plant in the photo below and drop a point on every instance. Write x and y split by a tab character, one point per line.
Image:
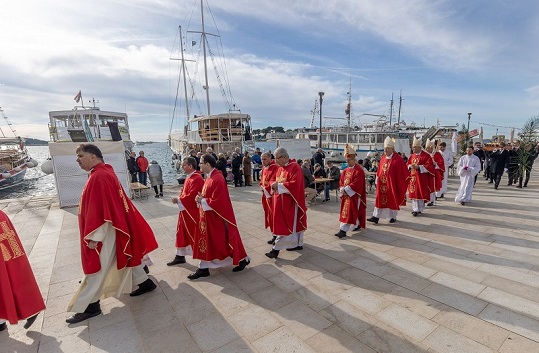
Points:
528	138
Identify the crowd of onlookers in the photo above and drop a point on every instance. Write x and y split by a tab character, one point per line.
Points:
142	171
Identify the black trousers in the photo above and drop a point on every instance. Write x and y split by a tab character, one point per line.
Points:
512	174
237	178
497	179
527	171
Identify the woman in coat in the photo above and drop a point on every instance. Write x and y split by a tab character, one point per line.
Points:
155	174
247	168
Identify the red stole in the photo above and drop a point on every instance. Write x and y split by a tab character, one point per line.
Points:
354	207
217	236
269	174
104	200
284	205
418	183
391	177
439	173
20	297
188	218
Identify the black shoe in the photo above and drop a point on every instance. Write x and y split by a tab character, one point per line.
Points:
299	247
156	196
241	266
161	194
519	187
525	185
491	182
92	310
200	272
79	317
341	234
30	321
144	287
430	204
177	260
146	269
442	196
373	219
358	228
3	326
495	187
392	220
462	203
325	200
415	213
272	241
509	184
273	254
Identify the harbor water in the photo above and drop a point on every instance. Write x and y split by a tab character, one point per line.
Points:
37	183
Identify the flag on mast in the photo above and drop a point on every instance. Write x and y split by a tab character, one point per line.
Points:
78	97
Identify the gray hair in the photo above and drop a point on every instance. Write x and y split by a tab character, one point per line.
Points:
267	154
281	151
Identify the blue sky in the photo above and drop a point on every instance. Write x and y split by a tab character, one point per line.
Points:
448	58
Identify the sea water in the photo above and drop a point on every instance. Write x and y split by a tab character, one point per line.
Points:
37	183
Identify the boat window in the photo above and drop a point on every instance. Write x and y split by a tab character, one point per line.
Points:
363	138
380	138
342	138
352	138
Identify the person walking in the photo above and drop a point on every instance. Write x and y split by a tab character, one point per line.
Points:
269	174
498	160
188	217
289	210
467	169
391	186
217	239
353	193
155	174
114	237
421	168
142	164
20	297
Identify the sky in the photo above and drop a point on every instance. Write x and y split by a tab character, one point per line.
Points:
447	58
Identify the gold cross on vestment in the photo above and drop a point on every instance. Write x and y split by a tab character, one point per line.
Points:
9	235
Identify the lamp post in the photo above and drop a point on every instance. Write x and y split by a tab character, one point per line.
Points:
321	94
468	129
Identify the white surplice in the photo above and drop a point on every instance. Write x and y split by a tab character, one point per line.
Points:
467	176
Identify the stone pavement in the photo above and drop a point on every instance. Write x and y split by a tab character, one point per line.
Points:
455	279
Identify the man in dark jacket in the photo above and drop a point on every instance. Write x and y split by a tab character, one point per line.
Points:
132	167
528	156
237	162
499	158
513	164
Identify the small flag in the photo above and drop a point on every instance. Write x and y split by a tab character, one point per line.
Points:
193	43
78	97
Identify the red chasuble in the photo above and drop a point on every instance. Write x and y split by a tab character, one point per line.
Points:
439	172
284	205
354	207
188	219
391	177
20	297
418	183
217	236
104	200
269	174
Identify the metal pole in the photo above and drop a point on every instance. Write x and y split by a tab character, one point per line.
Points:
468	129
321	94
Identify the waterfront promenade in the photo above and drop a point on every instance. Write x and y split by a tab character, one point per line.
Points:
461	279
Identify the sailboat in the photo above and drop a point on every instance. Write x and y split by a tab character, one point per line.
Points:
14	158
223	132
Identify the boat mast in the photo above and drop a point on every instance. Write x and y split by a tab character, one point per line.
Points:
400	105
184	77
349	106
206	87
391	109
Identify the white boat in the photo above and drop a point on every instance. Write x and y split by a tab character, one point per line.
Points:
368	138
14	158
89	124
222	132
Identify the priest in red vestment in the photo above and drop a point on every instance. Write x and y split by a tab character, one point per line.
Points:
435	183
289	210
20	298
188	217
391	184
353	213
269	173
420	165
114	237
217	239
